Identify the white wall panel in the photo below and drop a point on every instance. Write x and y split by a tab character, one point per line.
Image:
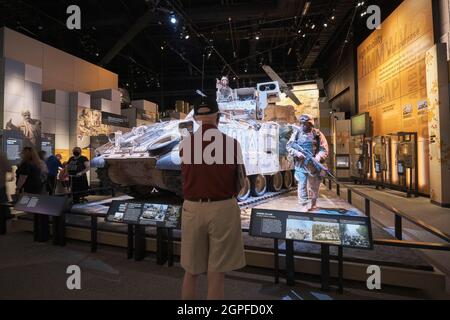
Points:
12	103
14	68
33	74
14	85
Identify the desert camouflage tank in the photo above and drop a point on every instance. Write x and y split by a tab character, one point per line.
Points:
146	158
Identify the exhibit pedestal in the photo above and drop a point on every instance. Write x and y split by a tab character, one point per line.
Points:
2	220
324	263
41	230
164	244
139	243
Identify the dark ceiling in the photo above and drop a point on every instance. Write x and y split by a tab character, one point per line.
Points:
156	61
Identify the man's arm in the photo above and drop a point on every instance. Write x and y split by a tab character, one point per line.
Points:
241	173
322	155
293	152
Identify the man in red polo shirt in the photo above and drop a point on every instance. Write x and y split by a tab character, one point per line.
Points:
212	171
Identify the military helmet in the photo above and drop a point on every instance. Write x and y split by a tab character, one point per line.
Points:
306	118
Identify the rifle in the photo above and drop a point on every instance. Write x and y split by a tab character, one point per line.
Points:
310	157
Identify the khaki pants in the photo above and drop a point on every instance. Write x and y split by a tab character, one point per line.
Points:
211	237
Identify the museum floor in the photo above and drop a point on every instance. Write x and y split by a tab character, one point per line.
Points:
26	267
31	270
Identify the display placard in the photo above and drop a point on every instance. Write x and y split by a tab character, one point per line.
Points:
115	120
146	214
342	161
48	143
42	204
12	144
340	229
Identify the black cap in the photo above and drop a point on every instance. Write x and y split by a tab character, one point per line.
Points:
207	103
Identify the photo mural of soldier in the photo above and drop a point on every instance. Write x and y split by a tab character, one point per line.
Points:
90	123
30	128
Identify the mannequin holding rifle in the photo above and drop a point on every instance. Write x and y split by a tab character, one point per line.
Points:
309	148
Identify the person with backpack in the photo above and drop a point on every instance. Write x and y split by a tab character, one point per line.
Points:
306	173
28	173
44	170
78	167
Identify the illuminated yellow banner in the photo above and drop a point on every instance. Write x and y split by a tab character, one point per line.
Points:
392	77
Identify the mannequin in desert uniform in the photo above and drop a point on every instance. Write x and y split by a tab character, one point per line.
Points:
308	177
224	92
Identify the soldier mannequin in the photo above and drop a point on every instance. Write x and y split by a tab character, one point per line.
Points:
308	177
224	92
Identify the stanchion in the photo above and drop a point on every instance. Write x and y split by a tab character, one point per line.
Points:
276	261
170	247
2	219
325	267
58	230
94	229
130	238
340	269
139	243
42	230
161	246
290	264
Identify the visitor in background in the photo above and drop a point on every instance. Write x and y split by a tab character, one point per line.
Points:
64	178
77	167
28	174
5	168
53	165
44	170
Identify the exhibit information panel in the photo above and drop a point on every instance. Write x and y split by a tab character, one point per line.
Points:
12	144
42	204
392	76
146	214
334	229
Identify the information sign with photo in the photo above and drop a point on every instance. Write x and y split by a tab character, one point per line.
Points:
147	214
341	228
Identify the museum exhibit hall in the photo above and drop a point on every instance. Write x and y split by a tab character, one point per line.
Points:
229	150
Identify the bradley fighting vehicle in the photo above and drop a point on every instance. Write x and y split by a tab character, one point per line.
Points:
142	160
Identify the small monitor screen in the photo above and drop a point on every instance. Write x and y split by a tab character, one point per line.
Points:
360	124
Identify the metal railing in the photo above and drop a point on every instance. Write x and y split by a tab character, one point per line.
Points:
399	216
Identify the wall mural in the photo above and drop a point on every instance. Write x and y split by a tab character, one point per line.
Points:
392	77
90	124
29	127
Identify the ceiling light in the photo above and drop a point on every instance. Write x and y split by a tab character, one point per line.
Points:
173	19
305	10
313	26
256	37
325	25
187	36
